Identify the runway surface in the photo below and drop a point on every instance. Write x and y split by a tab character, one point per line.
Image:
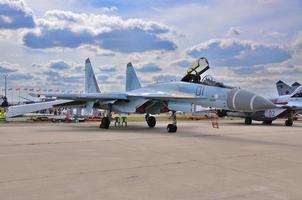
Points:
81	161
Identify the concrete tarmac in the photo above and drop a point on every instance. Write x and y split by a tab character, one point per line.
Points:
80	161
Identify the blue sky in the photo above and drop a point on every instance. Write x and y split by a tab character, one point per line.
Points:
250	44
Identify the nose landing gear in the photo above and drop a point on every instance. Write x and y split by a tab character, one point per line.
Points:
172	128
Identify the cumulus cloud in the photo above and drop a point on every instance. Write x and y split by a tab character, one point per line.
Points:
20	77
58	78
103	78
231	52
165	78
297	43
59	65
7	68
183	63
149	68
109	9
14	14
108	69
72	30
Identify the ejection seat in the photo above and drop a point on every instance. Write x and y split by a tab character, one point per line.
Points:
194	72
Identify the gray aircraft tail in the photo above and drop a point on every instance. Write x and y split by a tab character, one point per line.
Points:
295	85
283	88
91	85
297	93
132	81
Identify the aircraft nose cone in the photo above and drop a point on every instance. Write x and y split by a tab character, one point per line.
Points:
242	100
262	103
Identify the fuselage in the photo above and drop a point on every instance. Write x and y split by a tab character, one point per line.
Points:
198	94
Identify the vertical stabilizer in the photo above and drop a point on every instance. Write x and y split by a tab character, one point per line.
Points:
297	93
132	81
283	88
295	85
91	85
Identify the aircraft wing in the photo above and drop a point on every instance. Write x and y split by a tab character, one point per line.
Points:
85	96
151	95
18	110
159	95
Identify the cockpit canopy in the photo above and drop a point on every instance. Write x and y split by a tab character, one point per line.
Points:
194	74
197	68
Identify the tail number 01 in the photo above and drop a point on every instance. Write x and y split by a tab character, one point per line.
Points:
199	91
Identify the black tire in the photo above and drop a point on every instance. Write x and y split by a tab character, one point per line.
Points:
267	122
171	128
288	122
151	121
105	123
248	121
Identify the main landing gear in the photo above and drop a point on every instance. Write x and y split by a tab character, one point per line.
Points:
105	123
151	121
268	122
248	121
172	128
290	120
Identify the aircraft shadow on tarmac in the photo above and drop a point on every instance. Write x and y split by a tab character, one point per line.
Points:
277	124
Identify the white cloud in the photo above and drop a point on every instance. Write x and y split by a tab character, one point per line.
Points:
14	14
72	30
235	52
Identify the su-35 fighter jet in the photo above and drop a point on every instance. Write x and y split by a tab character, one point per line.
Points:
163	97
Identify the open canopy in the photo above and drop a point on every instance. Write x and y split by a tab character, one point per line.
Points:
197	68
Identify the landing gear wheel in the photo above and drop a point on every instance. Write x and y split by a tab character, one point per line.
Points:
171	128
289	122
248	121
105	123
151	121
267	122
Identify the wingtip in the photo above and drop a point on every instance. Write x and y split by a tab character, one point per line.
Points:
87	60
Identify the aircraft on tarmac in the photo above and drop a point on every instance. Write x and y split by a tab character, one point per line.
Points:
288	103
288	107
163	97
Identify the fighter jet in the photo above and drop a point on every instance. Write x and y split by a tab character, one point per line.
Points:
289	104
163	97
